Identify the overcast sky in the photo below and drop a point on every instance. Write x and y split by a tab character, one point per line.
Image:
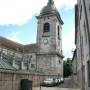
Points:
18	22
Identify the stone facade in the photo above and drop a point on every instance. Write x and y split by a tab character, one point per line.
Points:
32	61
46	54
49	41
11	80
82	41
74	68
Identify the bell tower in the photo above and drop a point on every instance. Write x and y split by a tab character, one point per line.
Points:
49	35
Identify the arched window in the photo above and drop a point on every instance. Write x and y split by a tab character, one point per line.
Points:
46	27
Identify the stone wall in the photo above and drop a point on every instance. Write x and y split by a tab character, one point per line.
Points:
11	81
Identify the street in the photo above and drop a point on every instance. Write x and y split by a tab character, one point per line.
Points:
67	85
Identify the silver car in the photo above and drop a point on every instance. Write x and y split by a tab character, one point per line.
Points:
48	82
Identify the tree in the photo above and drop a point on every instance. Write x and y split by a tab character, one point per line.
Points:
67	68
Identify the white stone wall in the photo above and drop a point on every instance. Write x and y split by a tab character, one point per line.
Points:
49	64
53	43
47	59
82	44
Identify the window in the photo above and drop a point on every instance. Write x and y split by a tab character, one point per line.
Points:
88	66
46	27
32	65
58	32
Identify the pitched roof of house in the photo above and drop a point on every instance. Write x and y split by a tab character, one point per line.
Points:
30	48
11	44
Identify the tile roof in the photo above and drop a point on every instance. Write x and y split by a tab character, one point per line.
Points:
5	65
11	44
30	48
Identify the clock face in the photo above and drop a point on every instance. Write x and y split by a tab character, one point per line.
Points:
45	41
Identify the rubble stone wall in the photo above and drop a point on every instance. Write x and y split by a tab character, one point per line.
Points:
11	81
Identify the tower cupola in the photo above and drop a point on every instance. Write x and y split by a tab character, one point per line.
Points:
50	9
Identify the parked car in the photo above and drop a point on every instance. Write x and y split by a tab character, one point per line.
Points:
62	80
59	80
56	81
48	82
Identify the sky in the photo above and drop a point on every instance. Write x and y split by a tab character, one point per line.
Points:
18	21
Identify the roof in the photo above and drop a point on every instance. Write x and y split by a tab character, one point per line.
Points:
30	48
11	44
5	65
50	9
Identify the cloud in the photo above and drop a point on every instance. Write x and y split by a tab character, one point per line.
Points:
68	43
20	11
14	36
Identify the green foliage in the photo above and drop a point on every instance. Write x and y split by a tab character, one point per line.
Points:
67	67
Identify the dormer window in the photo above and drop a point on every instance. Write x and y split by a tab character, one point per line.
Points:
46	27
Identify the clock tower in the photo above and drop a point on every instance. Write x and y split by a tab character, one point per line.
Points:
49	40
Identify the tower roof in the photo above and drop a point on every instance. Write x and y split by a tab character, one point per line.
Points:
50	9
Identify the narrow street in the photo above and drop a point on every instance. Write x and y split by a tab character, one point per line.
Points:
67	85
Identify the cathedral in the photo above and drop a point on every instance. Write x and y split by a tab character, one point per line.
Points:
45	55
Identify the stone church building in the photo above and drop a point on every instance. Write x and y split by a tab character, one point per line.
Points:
49	40
46	55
